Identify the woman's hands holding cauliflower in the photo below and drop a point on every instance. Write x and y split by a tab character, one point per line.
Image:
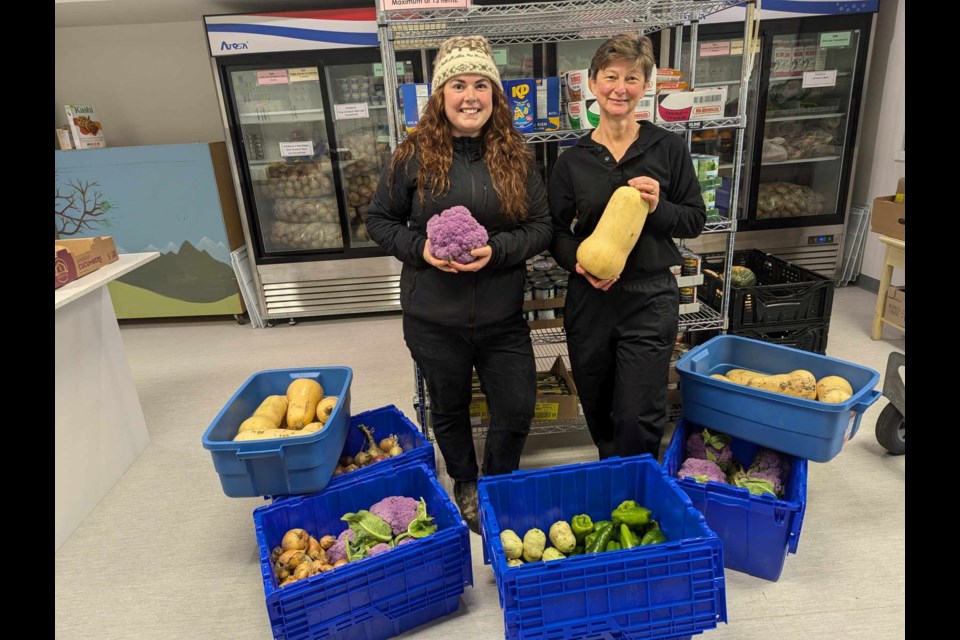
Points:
456	241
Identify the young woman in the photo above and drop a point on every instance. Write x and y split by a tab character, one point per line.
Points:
621	332
465	151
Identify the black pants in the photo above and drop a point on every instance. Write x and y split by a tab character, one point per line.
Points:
503	357
620	342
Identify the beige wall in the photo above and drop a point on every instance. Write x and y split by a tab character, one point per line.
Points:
150	83
877	170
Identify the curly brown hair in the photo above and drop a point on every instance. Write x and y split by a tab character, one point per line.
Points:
509	160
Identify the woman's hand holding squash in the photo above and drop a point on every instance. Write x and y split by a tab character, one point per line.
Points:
595	282
649	190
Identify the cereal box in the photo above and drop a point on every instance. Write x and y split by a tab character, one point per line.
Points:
85	126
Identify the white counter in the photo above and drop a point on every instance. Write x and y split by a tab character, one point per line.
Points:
100	428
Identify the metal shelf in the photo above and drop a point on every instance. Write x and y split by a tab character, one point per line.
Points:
723	225
281	117
800	161
543	21
719	83
706	318
815	116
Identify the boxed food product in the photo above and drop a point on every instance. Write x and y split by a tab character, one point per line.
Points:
77	257
577	84
85	126
413	99
583	114
550	406
521	96
696	105
548	104
646	109
889	215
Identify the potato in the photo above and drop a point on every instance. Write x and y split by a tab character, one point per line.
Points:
562	537
512	546
534	541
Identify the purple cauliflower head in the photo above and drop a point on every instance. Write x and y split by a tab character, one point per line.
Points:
396	511
377	549
338	551
453	233
706	446
772	462
405	540
771	476
701	470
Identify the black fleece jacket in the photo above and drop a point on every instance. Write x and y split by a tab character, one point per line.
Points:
586	175
397	221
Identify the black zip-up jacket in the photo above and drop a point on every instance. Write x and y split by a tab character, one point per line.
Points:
586	175
397	221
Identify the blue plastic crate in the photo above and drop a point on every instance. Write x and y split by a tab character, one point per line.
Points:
302	464
757	531
808	429
386	421
667	590
376	597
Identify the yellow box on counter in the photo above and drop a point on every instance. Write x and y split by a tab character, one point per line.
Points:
896	308
548	407
77	257
890	214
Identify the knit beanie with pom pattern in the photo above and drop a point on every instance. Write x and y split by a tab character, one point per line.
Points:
464	54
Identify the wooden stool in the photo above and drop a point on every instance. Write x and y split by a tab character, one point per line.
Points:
893	257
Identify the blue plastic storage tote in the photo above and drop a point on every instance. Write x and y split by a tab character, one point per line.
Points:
804	428
667	590
757	531
301	464
372	598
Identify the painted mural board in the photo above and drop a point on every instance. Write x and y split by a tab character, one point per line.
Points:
153	198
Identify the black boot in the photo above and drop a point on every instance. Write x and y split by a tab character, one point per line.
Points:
465	495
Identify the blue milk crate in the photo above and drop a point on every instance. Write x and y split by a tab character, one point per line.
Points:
372	598
279	466
757	531
808	429
667	590
385	421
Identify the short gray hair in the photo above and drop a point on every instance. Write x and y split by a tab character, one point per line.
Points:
633	49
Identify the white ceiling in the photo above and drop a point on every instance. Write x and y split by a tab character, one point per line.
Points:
91	13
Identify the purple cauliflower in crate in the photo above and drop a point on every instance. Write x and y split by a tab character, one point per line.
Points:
701	471
405	540
770	461
377	549
339	549
453	233
757	485
710	446
396	511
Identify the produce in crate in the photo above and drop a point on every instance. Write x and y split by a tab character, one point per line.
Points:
712	446
833	389
325	408
274	409
371	452
603	254
303	396
702	471
799	383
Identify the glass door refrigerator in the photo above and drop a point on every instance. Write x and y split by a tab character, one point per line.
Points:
302	97
803	116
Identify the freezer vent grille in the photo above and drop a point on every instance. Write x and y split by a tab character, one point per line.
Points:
338	296
821	259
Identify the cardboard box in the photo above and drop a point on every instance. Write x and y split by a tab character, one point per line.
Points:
889	217
81	256
895	310
548	407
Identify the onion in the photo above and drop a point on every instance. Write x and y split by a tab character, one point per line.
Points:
295	539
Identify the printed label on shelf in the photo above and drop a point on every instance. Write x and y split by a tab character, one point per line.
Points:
273	76
546	411
351	111
736	47
500	57
398	5
378	69
836	39
296	149
304	74
719	48
819	79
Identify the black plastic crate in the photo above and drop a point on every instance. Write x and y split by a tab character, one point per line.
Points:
806	336
784	293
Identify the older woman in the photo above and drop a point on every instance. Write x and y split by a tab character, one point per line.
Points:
621	332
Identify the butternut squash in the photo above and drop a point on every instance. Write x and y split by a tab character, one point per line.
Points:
742	376
256	423
303	396
828	383
265	434
799	383
325	408
603	254
313	427
273	408
720	376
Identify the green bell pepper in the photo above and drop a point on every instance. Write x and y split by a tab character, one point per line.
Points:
613	545
628	539
631	514
653	536
603	531
581	526
588	540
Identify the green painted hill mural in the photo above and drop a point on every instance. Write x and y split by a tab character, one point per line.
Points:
134	302
189	275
